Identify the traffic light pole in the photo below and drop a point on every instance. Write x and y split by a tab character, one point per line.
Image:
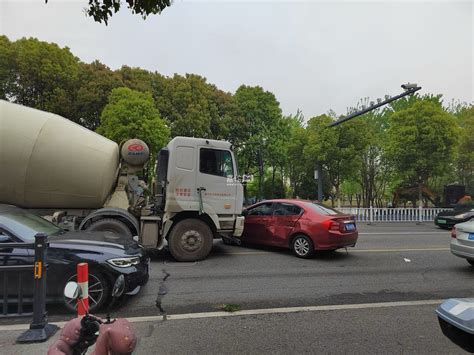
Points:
409	90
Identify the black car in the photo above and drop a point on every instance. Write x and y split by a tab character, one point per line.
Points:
461	213
107	255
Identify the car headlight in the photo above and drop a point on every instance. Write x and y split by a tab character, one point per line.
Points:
124	262
462	215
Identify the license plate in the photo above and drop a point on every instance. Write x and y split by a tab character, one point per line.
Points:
350	227
470	236
441	221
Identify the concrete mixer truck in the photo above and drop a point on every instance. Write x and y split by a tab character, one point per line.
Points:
81	180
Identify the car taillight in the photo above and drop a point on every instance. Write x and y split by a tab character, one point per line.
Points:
334	226
453	232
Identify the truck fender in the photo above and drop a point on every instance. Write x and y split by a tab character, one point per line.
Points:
111	213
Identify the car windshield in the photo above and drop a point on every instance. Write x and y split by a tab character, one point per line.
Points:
322	209
26	225
464	207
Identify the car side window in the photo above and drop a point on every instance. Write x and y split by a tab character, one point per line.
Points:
286	209
216	162
264	209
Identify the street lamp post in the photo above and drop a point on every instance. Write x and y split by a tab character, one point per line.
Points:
408	88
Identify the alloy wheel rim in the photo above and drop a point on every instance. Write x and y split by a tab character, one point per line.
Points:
95	290
301	246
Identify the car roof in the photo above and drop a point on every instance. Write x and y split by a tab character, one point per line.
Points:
294	201
8	208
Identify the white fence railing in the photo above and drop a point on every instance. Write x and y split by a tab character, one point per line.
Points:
376	214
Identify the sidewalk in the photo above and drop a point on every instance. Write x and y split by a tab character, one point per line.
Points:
400	329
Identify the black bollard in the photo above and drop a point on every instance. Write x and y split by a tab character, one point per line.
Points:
39	330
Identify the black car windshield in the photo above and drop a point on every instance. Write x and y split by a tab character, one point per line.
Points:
464	207
322	209
26	225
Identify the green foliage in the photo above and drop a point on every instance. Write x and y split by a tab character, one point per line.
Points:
339	149
40	75
132	114
380	151
96	82
256	128
465	164
191	106
103	10
422	141
7	67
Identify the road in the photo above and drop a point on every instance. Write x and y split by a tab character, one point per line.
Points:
391	262
381	297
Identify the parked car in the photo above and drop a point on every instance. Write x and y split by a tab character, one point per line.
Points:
462	241
302	226
107	254
462	212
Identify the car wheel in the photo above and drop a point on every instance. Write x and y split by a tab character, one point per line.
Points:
190	240
471	262
302	246
99	292
110	225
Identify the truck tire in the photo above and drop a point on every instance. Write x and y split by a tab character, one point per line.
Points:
110	225
190	240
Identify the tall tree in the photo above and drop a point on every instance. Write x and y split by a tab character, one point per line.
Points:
103	10
96	82
45	76
132	114
259	111
465	163
337	149
7	67
422	141
192	106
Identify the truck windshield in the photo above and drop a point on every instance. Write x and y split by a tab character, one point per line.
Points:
26	225
216	162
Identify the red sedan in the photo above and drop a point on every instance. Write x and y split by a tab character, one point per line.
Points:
302	226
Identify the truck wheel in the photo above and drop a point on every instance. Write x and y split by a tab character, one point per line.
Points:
190	240
110	225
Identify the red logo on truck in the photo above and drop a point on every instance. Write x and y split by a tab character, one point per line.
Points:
135	147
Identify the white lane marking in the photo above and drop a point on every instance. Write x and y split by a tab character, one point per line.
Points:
350	251
407	260
256	312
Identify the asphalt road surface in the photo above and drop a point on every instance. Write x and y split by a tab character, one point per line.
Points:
391	262
381	297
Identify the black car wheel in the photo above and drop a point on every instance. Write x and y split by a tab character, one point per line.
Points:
99	292
302	246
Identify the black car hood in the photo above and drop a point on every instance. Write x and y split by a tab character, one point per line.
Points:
90	240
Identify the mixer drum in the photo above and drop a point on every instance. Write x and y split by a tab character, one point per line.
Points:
47	161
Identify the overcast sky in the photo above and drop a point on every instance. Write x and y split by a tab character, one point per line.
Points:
313	55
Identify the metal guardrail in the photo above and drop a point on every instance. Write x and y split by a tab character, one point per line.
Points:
21	272
399	214
39	330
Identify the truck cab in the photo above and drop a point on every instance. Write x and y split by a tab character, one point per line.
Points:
198	196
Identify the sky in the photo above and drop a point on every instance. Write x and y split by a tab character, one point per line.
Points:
314	56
